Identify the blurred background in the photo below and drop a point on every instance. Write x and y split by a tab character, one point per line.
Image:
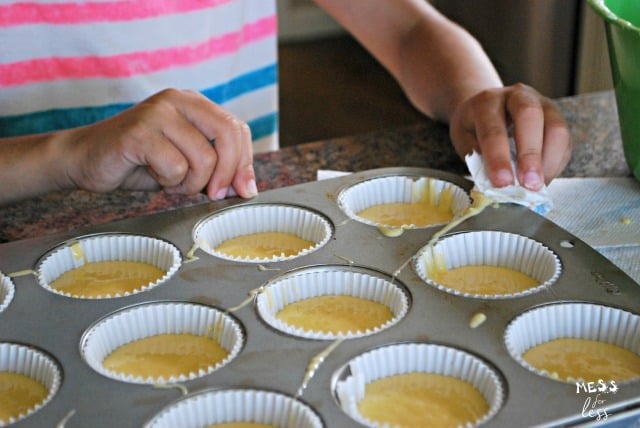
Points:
330	86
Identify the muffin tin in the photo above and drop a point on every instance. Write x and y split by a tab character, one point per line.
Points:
273	362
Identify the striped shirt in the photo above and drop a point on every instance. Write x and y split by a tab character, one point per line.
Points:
66	63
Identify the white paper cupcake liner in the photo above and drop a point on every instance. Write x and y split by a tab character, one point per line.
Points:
329	280
571	320
397	189
489	248
108	247
397	359
7	290
33	363
151	319
261	218
236	405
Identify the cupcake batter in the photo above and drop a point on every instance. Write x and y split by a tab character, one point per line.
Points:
590	360
165	355
481	279
18	395
241	425
99	279
422	399
335	314
427	210
405	214
264	245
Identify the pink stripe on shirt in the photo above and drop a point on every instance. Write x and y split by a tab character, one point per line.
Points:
86	12
125	65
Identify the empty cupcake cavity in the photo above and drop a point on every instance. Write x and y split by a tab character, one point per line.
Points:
269	222
35	365
152	319
350	381
7	290
588	321
402	189
489	249
82	253
334	281
219	406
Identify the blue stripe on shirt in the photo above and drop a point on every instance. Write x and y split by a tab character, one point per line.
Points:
56	119
263	126
243	84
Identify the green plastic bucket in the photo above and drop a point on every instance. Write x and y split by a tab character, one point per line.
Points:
622	25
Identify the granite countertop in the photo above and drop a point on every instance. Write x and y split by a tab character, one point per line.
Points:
592	119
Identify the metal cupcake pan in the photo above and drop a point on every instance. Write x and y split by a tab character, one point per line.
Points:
272	360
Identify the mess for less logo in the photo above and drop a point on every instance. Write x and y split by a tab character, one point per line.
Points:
594	406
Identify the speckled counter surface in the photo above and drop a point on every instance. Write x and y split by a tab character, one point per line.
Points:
592	119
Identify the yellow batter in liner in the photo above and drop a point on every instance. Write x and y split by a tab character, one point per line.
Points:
99	279
335	314
430	208
241	425
481	279
422	400
264	245
165	355
18	395
571	359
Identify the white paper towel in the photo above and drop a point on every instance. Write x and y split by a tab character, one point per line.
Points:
604	213
600	211
539	201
